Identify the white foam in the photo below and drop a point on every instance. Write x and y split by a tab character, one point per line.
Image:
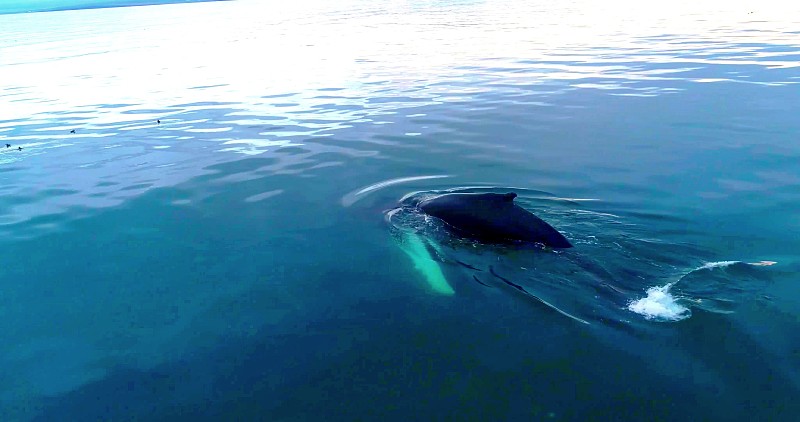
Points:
763	263
722	264
719	264
659	305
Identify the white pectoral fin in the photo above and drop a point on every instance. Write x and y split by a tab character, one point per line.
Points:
414	246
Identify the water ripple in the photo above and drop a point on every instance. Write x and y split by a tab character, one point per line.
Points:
215	143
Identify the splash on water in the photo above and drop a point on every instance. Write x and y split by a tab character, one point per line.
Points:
723	264
660	305
699	287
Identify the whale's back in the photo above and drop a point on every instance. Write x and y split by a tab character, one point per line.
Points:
492	217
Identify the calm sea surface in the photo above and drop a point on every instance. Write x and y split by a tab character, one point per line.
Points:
236	261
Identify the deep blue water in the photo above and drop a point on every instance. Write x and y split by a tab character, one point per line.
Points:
237	261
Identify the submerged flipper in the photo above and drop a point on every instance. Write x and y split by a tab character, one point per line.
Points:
464	264
474	277
533	296
417	249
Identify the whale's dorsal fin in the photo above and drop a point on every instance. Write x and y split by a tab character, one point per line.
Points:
499	198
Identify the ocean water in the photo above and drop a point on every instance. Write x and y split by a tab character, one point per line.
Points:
223	236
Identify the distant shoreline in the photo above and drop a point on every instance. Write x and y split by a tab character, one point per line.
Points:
89	4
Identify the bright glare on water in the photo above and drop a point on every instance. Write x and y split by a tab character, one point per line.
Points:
206	211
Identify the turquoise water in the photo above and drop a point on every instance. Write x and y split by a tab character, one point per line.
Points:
246	257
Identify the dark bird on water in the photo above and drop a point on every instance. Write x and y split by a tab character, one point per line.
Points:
72	131
8	145
19	148
159	121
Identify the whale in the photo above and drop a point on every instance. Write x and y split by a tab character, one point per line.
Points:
486	217
492	218
489	218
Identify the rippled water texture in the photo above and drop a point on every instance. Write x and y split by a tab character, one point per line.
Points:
212	241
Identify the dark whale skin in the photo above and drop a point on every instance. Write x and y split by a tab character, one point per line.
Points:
492	218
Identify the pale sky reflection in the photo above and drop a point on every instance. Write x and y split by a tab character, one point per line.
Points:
142	58
312	67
